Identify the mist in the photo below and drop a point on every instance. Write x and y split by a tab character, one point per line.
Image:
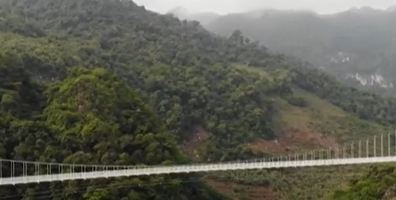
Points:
236	6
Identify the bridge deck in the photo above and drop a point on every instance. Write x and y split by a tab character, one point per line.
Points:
191	168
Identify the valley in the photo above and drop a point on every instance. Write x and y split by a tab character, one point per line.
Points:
110	82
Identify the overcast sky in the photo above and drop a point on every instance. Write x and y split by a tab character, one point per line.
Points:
231	6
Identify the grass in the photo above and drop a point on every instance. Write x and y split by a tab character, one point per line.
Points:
321	117
279	73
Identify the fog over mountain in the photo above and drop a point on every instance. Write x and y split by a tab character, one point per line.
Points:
238	6
204	17
357	45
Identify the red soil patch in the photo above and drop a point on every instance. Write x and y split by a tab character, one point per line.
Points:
273	146
309	137
292	138
239	191
199	136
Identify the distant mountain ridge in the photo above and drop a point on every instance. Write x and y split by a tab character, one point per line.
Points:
203	17
359	42
357	45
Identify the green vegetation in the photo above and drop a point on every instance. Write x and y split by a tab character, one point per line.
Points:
177	75
106	81
366	105
378	183
300	128
90	117
305	183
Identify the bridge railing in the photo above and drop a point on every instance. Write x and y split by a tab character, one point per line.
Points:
376	146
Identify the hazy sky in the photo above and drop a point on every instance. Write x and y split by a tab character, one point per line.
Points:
230	6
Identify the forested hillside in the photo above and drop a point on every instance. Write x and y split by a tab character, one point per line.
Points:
175	73
106	81
358	45
90	117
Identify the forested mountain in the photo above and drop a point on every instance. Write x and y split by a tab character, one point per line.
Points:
89	117
358	45
106	81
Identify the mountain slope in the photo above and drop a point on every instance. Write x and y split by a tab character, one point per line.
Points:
357	45
158	72
377	183
93	118
316	123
